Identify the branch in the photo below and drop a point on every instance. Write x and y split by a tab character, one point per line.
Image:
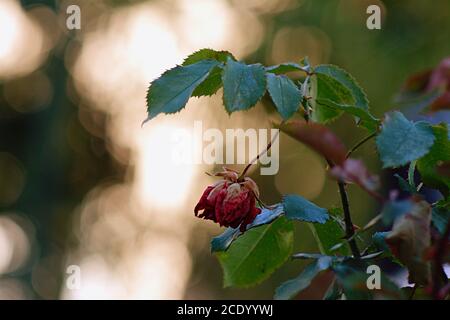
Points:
349	229
359	144
269	145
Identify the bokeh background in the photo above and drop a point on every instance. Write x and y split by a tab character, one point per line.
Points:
82	183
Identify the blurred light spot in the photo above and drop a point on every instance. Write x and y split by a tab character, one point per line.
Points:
29	94
104	222
124	50
268	6
307	179
12	176
13	289
22	45
156	268
136	45
164	265
48	21
160	181
14	244
98	281
292	44
207	22
218	25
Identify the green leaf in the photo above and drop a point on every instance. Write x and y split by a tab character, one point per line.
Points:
336	91
286	67
379	240
439	153
223	241
211	84
214	80
298	208
326	90
364	118
170	92
327	235
440	215
402	141
255	255
404	185
291	288
395	209
379	244
285	95
243	85
208	54
344	78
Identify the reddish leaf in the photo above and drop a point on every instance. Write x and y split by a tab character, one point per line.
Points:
354	171
410	239
417	82
440	76
436	80
317	137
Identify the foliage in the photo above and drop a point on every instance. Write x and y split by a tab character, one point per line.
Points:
326	92
246	261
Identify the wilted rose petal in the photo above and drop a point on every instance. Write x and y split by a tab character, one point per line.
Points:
229	202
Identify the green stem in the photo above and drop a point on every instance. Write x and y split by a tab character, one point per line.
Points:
359	144
269	145
411	170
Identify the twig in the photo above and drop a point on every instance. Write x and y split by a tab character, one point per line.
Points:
269	145
349	229
359	144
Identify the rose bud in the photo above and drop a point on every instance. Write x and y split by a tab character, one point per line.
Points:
230	202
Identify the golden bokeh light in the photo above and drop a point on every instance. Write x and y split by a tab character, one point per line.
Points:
22	48
130	47
15	246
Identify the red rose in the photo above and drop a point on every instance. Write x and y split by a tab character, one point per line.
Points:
230	202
